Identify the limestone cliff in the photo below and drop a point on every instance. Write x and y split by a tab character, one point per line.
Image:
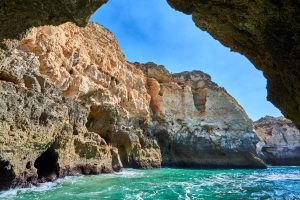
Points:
197	123
42	134
71	103
87	65
280	140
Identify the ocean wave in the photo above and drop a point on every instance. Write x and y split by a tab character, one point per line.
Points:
9	194
43	187
129	173
276	177
170	183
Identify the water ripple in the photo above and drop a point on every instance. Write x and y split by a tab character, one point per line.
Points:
182	184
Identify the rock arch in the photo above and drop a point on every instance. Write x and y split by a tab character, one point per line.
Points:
47	165
265	31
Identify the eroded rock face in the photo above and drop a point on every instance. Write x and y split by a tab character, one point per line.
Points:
126	105
266	32
280	140
16	16
71	103
89	67
43	134
197	123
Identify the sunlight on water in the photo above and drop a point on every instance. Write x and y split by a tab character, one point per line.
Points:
166	183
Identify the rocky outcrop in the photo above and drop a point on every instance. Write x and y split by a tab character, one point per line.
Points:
266	32
87	65
71	103
43	134
67	103
197	123
280	141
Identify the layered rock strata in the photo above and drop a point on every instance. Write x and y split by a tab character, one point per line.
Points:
71	103
280	140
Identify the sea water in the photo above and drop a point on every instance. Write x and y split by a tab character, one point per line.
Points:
168	183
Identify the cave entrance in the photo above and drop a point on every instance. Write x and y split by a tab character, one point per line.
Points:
101	121
7	174
47	165
123	155
154	24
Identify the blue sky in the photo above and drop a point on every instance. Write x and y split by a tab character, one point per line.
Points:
150	30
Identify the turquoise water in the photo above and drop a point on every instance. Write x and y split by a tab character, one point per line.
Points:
166	183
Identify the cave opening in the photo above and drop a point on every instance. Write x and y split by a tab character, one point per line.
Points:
95	125
127	157
7	174
100	121
47	164
107	137
151	38
123	155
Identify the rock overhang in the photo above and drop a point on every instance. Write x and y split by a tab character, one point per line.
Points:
19	15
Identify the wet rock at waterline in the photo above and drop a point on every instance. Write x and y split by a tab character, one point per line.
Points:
280	141
197	123
71	104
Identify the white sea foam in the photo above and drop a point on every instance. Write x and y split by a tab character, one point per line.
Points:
43	187
138	196
275	177
9	194
129	173
139	185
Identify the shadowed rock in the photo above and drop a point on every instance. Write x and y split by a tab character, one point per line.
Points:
16	16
